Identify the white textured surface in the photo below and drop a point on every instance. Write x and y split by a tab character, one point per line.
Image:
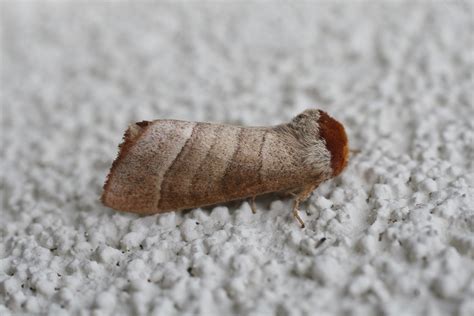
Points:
393	234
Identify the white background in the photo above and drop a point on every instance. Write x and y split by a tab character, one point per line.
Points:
398	223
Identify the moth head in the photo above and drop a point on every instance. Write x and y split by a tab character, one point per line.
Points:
337	144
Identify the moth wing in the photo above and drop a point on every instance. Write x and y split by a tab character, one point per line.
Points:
256	163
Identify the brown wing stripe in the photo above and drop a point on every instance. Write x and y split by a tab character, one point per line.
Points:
260	157
172	165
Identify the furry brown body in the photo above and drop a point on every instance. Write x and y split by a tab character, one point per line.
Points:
167	165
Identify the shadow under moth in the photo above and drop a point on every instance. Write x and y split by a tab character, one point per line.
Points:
169	165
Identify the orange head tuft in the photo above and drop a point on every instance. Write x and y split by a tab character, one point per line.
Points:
336	141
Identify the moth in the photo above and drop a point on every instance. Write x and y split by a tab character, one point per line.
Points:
167	165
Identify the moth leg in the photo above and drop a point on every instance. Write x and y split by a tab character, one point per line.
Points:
253	206
296	212
301	197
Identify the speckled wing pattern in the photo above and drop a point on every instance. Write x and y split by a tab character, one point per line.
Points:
223	162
